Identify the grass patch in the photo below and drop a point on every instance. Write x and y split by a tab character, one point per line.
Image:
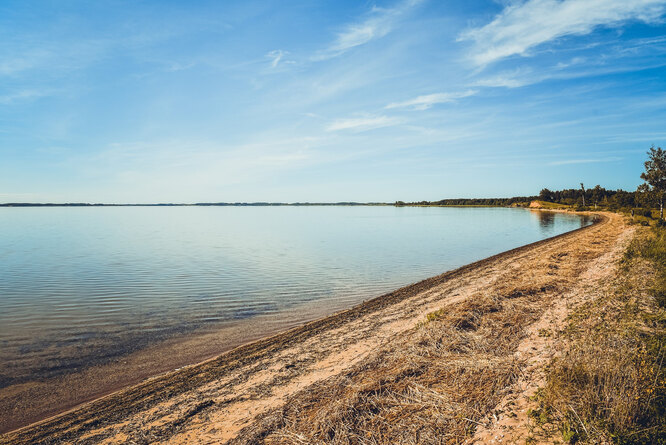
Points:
610	384
552	205
652	247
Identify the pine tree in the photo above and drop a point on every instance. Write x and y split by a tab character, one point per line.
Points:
655	176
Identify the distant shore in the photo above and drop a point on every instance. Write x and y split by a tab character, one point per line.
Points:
273	369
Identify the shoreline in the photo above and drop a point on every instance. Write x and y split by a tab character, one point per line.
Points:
38	399
125	402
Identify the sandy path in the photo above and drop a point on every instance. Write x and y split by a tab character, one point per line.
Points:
211	402
509	421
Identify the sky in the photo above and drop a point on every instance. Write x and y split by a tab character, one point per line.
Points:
324	101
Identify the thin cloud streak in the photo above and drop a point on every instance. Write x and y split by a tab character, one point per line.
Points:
381	22
576	68
523	26
506	80
584	161
21	96
363	123
429	100
276	56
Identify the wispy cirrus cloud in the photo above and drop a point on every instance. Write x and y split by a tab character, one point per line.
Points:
380	22
17	64
21	96
524	25
584	161
429	100
276	56
606	59
363	123
524	77
511	79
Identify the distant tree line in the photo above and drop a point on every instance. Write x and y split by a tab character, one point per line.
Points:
649	195
597	195
472	201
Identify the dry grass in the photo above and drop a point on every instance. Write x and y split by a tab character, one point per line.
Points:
610	386
432	386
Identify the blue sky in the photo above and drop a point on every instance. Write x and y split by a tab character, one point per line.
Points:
174	101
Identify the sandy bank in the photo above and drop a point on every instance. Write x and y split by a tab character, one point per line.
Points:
237	392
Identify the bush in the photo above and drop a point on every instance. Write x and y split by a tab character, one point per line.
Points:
643	212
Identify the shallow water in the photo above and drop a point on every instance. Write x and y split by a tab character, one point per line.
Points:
82	286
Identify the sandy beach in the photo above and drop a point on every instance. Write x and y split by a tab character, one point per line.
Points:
278	388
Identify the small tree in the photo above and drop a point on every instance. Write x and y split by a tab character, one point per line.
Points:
597	194
582	187
655	176
546	195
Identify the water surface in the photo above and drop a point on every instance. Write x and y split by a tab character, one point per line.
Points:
83	286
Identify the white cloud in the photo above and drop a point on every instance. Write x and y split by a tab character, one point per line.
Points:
428	100
572	62
516	78
276	56
527	24
380	23
506	80
363	123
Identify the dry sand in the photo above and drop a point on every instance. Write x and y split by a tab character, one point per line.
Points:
228	397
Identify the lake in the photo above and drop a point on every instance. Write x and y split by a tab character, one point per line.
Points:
82	287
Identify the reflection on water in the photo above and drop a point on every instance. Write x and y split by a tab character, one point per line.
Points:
586	220
84	286
548	220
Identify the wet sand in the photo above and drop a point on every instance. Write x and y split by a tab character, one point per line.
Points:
213	401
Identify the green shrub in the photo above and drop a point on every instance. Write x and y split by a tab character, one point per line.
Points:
643	212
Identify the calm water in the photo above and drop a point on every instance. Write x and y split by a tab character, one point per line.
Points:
83	285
